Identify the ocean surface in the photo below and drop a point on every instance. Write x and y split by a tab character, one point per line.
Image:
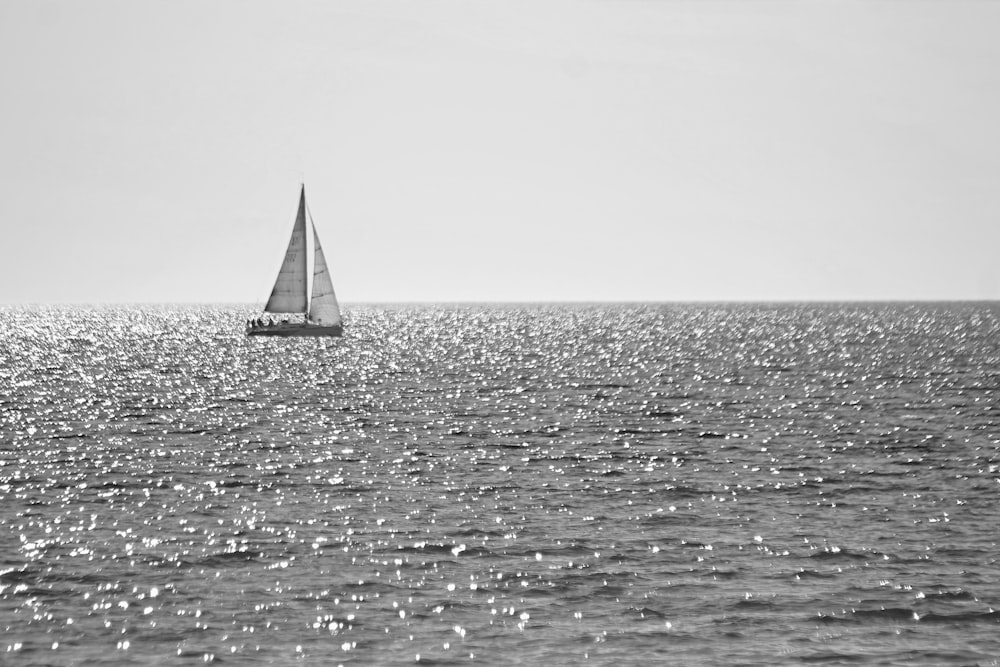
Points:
690	484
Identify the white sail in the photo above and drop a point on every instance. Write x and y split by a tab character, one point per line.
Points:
289	293
324	309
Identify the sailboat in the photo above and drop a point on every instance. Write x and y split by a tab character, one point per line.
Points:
321	314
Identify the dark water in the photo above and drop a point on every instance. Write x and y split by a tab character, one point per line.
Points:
683	484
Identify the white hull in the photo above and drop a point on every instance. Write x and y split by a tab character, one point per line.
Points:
289	329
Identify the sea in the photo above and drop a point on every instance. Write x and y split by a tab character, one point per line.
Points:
541	484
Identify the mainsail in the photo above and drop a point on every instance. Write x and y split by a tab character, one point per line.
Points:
324	309
289	293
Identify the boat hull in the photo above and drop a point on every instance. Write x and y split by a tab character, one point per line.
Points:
296	330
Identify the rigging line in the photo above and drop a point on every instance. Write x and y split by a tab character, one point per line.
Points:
309	212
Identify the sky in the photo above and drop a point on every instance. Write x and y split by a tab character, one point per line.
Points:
524	150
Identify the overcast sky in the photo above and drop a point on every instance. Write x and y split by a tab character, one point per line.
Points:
533	150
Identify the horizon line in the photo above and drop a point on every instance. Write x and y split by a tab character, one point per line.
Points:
259	305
